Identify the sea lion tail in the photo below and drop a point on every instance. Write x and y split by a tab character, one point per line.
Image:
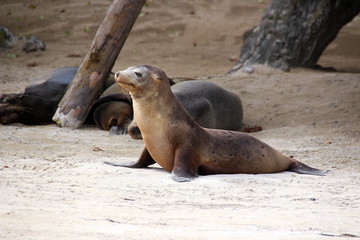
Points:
302	168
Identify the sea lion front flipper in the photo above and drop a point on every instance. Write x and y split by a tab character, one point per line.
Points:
144	161
184	169
133	130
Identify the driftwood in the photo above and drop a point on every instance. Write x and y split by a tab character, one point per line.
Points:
97	64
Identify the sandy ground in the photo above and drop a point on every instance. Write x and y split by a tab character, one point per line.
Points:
54	184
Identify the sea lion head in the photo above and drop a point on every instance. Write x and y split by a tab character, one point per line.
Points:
139	79
20	108
113	116
12	107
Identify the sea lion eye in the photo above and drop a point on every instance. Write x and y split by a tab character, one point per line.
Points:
138	74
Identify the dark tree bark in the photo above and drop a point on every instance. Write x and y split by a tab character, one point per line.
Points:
294	33
97	64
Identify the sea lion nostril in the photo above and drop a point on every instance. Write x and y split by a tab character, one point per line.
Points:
117	74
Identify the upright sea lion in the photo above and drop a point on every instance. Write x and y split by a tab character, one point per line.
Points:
210	105
178	144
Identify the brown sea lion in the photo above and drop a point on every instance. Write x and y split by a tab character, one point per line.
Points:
210	105
113	110
178	144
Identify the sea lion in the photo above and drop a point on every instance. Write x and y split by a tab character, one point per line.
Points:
113	110
210	105
179	145
39	102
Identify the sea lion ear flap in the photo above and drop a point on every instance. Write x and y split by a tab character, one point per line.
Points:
155	76
171	82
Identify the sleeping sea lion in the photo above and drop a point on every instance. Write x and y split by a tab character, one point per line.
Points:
39	102
113	110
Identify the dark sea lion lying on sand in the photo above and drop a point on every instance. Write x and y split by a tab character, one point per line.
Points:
39	102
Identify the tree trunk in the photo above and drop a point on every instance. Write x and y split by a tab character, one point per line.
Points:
97	64
295	33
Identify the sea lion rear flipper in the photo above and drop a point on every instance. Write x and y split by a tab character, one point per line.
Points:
184	169
302	168
144	161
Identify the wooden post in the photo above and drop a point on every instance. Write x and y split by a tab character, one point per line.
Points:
97	64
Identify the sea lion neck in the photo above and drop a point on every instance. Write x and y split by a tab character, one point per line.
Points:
143	98
152	103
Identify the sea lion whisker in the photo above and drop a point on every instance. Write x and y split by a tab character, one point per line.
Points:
17	108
